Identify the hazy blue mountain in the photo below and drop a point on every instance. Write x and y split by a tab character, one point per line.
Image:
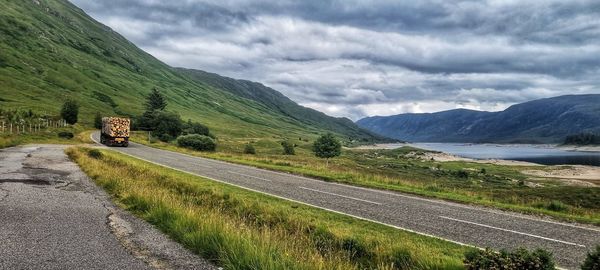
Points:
547	120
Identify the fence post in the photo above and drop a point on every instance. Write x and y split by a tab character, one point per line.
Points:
10	127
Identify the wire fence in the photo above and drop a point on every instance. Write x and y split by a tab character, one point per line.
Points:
29	126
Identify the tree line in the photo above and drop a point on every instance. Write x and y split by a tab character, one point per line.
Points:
583	139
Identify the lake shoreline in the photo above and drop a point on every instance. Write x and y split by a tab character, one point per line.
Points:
505	154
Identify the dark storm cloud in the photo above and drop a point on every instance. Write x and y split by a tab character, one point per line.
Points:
356	58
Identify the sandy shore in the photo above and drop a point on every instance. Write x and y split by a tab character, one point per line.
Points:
585	148
445	157
577	175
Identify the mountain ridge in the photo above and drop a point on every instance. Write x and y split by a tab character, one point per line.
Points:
51	50
547	120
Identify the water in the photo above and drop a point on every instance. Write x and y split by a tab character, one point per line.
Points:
542	154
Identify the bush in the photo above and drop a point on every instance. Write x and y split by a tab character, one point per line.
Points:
167	123
557	206
462	174
98	121
65	135
95	153
327	146
197	142
165	137
69	111
520	259
288	148
249	149
195	128
592	262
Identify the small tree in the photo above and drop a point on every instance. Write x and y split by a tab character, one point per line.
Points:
288	148
69	111
249	149
327	146
98	121
167	126
155	101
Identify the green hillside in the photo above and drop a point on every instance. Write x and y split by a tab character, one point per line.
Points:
277	102
51	51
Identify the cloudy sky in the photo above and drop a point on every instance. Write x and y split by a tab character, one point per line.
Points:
358	58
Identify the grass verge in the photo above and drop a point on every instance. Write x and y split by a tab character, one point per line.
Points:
49	136
240	229
498	186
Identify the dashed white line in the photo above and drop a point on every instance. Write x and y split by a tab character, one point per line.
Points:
255	177
347	197
512	231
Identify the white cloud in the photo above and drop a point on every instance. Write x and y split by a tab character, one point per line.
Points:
359	59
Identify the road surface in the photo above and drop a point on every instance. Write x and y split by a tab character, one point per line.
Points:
53	217
476	226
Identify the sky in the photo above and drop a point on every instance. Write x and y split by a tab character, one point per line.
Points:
356	58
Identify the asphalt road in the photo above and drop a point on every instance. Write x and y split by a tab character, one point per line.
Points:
463	224
53	217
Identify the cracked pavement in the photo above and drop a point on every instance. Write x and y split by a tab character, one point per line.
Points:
52	216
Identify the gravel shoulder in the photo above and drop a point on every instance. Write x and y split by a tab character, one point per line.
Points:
52	216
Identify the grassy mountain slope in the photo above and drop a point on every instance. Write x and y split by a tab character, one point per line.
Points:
51	50
278	102
547	120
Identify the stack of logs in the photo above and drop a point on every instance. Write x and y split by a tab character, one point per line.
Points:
116	126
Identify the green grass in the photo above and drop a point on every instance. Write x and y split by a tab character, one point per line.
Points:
46	136
498	186
239	229
52	51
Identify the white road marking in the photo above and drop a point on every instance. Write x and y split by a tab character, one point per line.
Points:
347	197
392	193
512	231
299	202
453	204
255	177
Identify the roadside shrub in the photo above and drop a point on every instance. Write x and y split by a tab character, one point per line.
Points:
98	121
462	174
288	148
249	149
65	135
519	259
69	111
197	142
557	206
95	153
592	261
327	146
165	137
195	128
167	123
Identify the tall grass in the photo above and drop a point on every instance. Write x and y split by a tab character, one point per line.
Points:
474	183
240	229
49	136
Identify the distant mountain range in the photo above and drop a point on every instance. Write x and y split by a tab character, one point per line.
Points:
547	120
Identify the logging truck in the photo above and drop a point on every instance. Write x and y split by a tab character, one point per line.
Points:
115	131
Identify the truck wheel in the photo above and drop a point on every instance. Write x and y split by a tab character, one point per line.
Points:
125	144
